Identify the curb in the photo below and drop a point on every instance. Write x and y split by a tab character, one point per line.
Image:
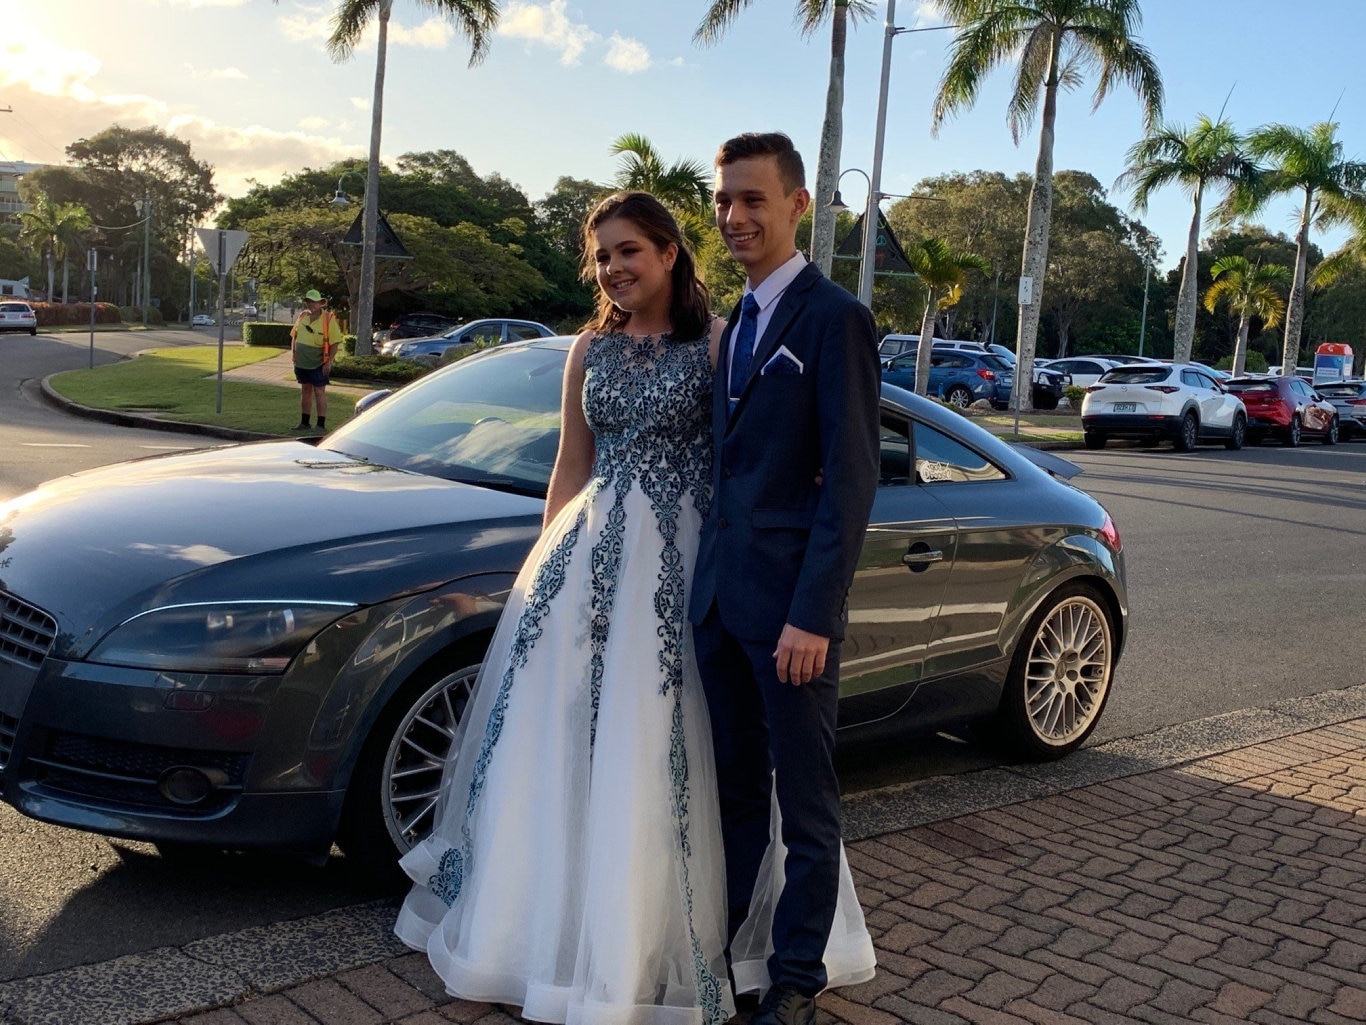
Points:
110	416
167	983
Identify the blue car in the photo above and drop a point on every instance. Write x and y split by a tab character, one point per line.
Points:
959	378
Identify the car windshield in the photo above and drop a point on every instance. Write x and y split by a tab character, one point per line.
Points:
491	420
1246	387
1135	375
1342	390
14	308
1000	350
997	363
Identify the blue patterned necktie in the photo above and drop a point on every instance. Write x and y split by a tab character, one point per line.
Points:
742	352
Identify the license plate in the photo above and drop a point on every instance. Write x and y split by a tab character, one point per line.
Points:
1126	407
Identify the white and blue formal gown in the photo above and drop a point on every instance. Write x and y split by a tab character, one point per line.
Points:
576	868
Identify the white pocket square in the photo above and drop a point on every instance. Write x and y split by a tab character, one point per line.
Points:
782	362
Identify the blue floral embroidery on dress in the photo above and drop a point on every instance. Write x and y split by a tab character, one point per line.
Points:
648	403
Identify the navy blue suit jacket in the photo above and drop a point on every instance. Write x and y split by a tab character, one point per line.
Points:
776	547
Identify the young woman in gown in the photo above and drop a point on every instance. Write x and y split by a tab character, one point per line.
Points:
576	867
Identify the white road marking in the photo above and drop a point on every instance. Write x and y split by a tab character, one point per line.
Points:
53	444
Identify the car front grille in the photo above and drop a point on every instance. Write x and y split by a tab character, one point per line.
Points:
8	728
26	631
125	774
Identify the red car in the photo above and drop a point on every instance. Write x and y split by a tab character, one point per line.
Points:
1285	408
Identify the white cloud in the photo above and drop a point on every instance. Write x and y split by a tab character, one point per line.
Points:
432	34
203	74
628	55
360	102
547	24
307	22
927	15
313	22
313	123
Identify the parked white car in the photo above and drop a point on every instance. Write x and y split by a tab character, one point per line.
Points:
201	320
18	316
1153	401
1084	370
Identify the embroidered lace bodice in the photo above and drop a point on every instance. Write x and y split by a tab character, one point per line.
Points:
648	402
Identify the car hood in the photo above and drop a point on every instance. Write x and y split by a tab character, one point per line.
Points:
269	521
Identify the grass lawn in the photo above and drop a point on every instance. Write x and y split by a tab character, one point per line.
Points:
182	384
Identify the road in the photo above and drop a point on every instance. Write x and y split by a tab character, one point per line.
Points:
1245	573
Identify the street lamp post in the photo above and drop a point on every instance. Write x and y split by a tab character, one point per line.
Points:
1149	241
365	297
144	209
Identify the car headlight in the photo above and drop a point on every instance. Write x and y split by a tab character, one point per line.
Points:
218	637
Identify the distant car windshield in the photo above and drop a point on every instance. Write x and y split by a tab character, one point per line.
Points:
1342	389
1247	387
1135	375
997	363
15	308
492	420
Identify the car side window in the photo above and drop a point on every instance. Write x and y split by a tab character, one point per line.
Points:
519	332
894	441
941	459
1191	379
906	361
489	334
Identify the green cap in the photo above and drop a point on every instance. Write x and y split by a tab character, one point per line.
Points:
313	295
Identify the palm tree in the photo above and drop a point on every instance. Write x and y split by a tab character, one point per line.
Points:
476	20
1251	290
1210	154
809	15
684	186
942	272
1308	161
1051	43
72	233
48	227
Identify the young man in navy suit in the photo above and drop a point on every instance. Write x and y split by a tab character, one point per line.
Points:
795	425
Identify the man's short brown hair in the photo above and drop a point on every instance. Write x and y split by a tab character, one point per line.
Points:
766	144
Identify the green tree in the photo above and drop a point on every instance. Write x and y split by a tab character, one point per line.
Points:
810	15
1250	290
683	186
942	271
51	230
1311	162
561	214
476	20
1208	155
1051	44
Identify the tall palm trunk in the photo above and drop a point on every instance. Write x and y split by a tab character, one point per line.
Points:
1294	308
1186	297
1240	347
1035	261
925	347
51	272
832	132
66	277
365	304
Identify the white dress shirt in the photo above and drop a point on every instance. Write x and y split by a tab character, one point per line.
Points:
768	293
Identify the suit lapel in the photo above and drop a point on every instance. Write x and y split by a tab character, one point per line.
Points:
783	314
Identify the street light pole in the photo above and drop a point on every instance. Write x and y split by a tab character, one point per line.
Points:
1143	320
146	255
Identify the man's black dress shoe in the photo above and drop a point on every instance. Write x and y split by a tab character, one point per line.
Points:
783	1006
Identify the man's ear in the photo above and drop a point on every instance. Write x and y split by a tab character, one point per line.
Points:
801	199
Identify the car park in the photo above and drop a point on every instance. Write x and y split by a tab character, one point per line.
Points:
1083	371
1048	385
1153	401
201	320
1285	409
18	316
1349	399
417	325
466	338
959	378
212	667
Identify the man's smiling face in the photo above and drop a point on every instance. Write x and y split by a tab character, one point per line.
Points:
757	217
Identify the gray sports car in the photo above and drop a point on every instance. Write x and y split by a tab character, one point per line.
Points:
268	645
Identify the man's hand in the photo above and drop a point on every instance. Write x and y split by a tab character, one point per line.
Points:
800	655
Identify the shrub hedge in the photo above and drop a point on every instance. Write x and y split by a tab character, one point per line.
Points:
379	369
58	314
133	315
263	332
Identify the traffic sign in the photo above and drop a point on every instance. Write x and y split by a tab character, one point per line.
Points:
221	246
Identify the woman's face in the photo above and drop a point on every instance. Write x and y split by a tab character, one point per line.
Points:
632	271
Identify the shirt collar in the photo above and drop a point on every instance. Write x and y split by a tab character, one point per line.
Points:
773	286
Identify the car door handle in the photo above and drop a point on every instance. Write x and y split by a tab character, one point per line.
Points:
920	560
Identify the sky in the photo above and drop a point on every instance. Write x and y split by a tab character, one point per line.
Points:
248	83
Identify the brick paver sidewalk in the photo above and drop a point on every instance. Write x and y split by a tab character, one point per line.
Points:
1230	890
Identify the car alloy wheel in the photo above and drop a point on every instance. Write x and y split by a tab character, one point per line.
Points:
1094	439
1291	437
1239	435
1060	677
391	801
1330	436
1190	433
958	396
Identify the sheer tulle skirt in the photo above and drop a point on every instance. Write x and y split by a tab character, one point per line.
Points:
584	879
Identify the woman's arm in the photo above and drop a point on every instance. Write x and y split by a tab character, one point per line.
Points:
715	330
574	460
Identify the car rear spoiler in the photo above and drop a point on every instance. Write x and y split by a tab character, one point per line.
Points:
1047	461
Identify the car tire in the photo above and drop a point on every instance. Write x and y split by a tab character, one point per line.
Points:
1094	439
1189	434
1239	435
383	818
33	333
1060	675
958	396
1330	436
1293	434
